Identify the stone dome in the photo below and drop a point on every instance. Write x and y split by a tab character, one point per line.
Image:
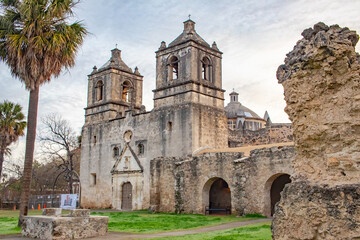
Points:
236	110
241	117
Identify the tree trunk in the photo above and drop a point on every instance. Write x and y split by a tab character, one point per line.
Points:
2	154
71	173
29	152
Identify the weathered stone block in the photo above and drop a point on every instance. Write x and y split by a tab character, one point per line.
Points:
79	213
57	227
318	212
52	212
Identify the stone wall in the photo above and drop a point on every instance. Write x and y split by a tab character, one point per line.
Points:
52	225
275	133
183	184
321	79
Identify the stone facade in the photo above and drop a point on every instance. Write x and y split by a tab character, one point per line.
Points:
321	86
120	138
188	115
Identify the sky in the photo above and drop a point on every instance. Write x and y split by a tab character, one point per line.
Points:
254	36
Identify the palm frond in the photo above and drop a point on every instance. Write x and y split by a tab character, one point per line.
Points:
36	40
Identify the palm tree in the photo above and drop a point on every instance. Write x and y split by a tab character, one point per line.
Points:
37	42
11	127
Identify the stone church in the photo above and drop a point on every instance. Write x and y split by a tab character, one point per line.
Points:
189	153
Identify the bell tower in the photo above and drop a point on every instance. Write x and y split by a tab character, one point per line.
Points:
188	71
189	98
113	89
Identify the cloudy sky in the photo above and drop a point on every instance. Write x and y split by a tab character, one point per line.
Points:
253	35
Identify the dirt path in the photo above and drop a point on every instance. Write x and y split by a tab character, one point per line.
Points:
128	236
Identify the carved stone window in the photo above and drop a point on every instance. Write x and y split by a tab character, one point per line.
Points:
116	152
99	90
169	126
173	68
141	149
128	136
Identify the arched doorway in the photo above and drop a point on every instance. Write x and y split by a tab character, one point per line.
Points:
273	189
126	196
217	195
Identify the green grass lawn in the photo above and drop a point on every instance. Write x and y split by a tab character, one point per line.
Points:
144	222
258	231
9	220
136	221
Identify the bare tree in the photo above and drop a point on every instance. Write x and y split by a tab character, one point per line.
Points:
60	142
10	185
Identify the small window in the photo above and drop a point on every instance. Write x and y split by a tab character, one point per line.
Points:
94	140
206	69
99	89
93	179
141	149
169	126
126	96
115	152
232	124
173	72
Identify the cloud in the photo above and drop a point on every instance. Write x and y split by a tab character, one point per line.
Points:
254	36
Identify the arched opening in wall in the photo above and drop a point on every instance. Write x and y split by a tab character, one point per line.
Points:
173	69
217	196
126	94
273	188
206	69
126	196
99	89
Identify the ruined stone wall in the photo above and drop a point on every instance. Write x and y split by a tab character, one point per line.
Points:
321	86
183	184
321	79
275	133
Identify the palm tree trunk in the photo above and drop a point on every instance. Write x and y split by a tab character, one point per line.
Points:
71	173
29	152
2	154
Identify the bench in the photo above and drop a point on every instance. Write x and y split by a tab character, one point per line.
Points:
209	210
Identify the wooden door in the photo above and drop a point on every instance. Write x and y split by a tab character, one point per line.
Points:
126	203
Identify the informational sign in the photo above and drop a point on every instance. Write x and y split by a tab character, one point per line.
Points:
68	201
